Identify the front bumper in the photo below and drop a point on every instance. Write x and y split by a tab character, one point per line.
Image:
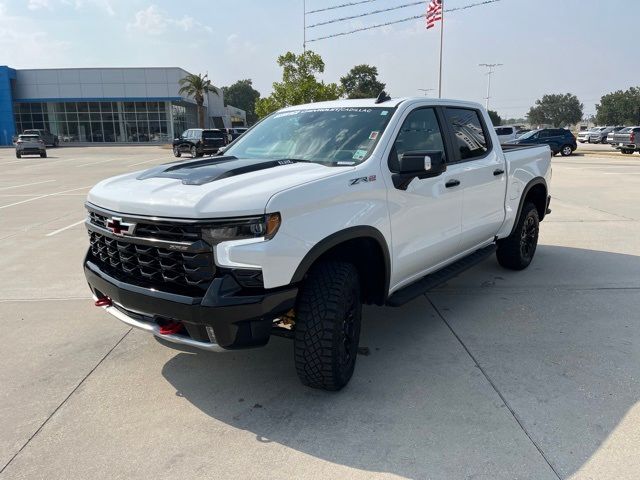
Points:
236	319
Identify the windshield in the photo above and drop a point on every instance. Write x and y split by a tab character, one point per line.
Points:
29	137
528	134
342	136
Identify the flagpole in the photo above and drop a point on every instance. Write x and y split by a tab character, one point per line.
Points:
441	40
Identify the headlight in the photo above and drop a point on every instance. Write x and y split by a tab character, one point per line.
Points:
242	228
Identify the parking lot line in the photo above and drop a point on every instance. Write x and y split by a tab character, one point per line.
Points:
42	196
146	161
96	163
27	184
55	232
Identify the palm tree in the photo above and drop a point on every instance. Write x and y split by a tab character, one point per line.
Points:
197	86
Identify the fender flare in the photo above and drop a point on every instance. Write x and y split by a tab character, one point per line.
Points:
351	233
525	192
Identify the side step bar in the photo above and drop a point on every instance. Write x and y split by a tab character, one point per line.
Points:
436	279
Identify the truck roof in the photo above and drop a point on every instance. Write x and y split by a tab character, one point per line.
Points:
391	103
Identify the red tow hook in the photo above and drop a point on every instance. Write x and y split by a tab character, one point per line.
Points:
103	302
171	328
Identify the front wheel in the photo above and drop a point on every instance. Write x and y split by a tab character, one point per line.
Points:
176	152
626	151
517	250
18	155
566	151
43	155
194	152
327	328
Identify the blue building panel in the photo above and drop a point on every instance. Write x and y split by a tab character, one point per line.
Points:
7	124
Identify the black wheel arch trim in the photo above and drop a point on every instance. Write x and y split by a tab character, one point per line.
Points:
351	233
525	192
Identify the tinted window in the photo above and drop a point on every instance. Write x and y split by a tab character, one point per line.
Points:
544	134
470	138
504	130
419	132
211	134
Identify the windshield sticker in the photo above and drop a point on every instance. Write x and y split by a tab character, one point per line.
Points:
343	163
373	135
384	112
359	155
317	110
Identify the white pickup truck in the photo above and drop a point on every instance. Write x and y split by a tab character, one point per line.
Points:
313	212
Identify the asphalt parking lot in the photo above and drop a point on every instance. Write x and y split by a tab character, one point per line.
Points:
496	375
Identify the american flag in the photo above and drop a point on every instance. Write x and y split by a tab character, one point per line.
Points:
434	13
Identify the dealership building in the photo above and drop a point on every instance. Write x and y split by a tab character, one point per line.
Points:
112	105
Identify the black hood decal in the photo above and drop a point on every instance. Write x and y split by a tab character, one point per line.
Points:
199	172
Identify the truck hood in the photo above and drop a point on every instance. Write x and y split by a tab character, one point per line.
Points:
207	188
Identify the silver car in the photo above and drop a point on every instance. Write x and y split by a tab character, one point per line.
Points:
28	144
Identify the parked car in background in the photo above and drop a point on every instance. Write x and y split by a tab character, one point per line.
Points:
50	140
237	131
611	135
199	142
506	133
627	140
560	140
522	131
585	135
600	135
30	144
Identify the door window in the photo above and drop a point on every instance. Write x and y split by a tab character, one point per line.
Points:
420	132
470	136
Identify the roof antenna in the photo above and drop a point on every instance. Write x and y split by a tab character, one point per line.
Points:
382	97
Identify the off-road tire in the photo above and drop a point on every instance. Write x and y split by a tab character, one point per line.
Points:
327	328
517	250
176	152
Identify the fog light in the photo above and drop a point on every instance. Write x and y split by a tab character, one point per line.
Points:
211	334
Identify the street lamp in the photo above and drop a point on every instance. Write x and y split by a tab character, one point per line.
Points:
490	70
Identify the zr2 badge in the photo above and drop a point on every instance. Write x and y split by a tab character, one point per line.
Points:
356	181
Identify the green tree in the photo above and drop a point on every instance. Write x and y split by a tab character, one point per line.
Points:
242	95
299	84
619	108
558	110
362	82
495	118
197	86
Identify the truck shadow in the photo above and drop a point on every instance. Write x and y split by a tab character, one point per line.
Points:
561	350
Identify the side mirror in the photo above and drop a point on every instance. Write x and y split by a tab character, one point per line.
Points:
422	164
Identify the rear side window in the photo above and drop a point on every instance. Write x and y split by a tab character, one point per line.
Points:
470	136
217	135
504	130
420	132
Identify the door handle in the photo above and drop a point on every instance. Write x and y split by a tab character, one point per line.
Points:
452	183
498	171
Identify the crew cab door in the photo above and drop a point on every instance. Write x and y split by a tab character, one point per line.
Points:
483	177
425	218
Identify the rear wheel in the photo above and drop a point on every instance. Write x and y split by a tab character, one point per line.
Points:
43	155
517	250
327	329
566	150
176	152
627	151
18	155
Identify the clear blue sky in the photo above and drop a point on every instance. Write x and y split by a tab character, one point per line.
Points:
586	47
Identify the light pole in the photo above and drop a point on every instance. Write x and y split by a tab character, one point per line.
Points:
490	70
426	91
